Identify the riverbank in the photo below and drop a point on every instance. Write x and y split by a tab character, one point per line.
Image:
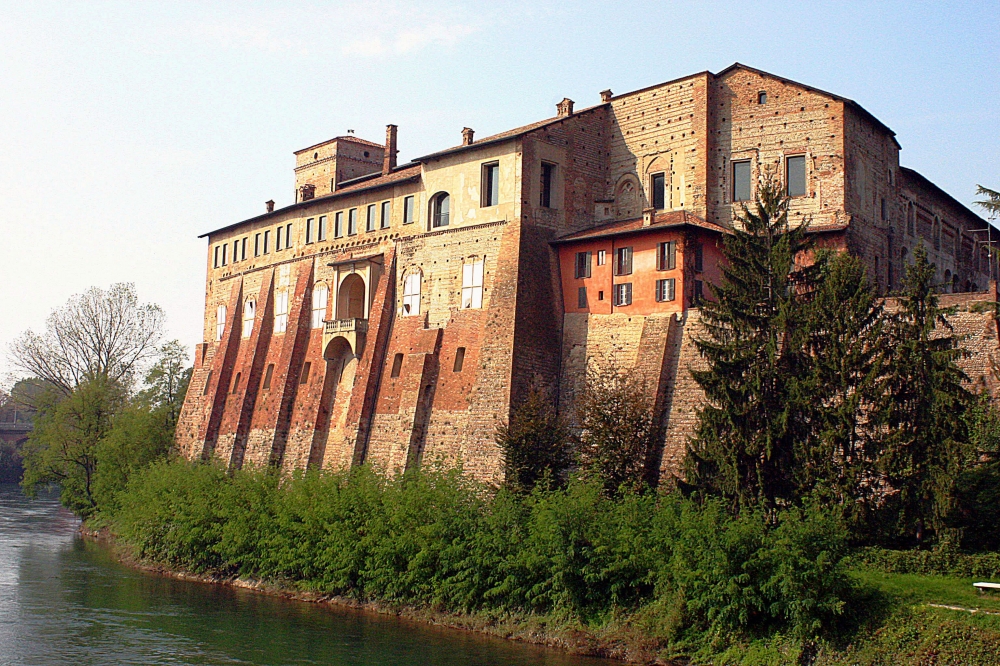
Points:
922	620
620	644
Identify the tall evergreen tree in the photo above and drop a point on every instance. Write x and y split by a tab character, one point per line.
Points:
745	443
925	402
842	426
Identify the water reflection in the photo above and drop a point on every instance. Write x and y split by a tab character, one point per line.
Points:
66	601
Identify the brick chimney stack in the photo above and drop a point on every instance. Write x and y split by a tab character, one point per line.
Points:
389	156
606	95
564	108
467	134
648	215
270	205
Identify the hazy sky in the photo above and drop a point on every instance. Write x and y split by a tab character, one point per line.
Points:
128	128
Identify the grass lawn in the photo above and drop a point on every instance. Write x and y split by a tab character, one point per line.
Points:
917	589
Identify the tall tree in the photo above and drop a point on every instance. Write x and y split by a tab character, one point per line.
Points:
534	443
97	335
840	391
744	445
925	404
167	380
991	203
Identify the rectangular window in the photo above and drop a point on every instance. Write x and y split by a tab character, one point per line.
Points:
267	241
309	230
885	210
321	228
795	172
623	294
411	294
666	256
491	184
370	219
665	290
548	171
215	261
397	365
472	284
741	180
352	222
268	375
236	251
623	261
243	249
581	298
459	360
601	257
657	191
256	245
386	214
582	265
408	209
698	292
225	248
304	377
281	312
698	259
288	236
338	225
600	295
277	238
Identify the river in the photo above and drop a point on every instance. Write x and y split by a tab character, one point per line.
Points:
64	600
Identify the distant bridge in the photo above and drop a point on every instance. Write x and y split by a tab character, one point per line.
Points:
14	433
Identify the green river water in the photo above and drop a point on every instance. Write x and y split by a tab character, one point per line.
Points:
64	600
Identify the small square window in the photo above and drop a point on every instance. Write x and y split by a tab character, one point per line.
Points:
762	97
600	295
795	172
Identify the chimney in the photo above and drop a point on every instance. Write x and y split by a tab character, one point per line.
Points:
270	205
647	216
606	95
564	108
467	133
308	192
389	156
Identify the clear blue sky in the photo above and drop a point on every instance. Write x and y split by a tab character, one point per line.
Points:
128	128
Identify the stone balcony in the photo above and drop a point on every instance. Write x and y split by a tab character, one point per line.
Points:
353	331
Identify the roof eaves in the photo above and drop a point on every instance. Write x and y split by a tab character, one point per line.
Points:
926	181
309	202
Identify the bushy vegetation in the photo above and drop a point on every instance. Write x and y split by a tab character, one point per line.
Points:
434	537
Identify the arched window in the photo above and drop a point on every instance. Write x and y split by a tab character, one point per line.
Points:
220	322
320	294
249	313
411	294
281	312
439	210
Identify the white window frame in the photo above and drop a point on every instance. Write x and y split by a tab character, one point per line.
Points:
411	294
281	312
623	294
220	322
320	297
472	284
249	314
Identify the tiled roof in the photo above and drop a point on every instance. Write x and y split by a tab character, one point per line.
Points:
672	219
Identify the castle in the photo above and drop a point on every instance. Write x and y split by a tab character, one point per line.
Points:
396	313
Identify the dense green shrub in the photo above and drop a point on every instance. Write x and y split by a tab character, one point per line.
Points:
937	562
434	537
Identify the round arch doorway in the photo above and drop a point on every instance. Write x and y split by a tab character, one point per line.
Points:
351	300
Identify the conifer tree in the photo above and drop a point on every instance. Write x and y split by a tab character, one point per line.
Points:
925	404
841	422
534	444
745	442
